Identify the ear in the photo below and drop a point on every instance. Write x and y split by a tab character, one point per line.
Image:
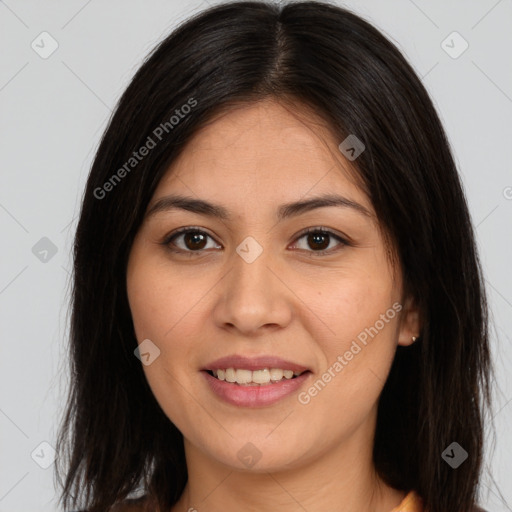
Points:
410	325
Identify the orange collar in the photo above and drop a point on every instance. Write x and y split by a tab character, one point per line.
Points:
411	503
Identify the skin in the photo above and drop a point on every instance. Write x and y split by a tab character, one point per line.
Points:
289	302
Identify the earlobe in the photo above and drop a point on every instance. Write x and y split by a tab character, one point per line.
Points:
410	325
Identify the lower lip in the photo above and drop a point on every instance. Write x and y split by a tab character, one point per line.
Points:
254	396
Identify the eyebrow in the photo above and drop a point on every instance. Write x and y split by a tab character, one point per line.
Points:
202	207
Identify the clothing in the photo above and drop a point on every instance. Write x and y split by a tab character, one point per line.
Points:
411	503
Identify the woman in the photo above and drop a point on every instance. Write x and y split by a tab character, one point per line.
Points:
277	299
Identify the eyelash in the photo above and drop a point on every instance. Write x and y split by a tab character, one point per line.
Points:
193	229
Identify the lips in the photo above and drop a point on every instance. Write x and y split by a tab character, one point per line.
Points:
263	395
254	363
255	396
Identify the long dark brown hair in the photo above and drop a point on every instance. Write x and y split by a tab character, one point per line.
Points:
115	438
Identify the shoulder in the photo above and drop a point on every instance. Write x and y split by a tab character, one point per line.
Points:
132	505
412	502
128	505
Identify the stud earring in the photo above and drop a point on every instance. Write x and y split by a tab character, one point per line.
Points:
414	338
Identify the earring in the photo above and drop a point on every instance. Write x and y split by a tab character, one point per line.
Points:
414	339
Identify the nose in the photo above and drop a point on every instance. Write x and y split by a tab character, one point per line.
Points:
253	296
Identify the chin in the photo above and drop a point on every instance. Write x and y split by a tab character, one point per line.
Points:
257	452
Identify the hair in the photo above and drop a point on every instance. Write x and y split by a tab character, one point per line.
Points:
114	438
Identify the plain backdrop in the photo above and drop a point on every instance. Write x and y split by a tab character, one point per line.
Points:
54	108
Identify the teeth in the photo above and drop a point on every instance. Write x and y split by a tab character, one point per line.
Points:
276	374
243	376
230	375
256	377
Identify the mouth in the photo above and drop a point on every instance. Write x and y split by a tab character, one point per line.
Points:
259	377
258	381
254	394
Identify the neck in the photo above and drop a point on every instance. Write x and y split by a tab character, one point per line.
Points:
341	479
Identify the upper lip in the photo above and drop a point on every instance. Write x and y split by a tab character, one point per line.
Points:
254	363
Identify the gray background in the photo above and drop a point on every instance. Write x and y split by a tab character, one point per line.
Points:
53	112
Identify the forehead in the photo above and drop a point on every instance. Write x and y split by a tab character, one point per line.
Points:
262	152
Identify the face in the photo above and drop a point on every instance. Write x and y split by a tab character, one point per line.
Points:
253	284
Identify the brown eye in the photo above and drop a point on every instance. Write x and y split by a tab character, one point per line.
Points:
318	241
188	240
194	240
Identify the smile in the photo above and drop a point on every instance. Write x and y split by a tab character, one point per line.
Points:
254	394
261	377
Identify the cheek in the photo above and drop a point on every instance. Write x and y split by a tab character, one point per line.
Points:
165	308
349	303
158	299
149	305
159	317
358	321
169	323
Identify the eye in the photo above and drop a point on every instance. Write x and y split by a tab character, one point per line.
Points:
320	239
192	239
195	240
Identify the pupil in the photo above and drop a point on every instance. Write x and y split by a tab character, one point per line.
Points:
194	237
315	238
